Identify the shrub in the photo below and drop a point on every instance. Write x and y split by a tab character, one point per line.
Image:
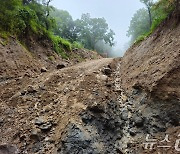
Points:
60	45
160	12
64	44
77	45
142	37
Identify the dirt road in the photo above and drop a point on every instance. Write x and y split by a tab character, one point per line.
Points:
44	107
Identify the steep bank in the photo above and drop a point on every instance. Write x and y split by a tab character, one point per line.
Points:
149	76
28	58
96	107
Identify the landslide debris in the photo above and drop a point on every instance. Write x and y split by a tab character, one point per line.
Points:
95	107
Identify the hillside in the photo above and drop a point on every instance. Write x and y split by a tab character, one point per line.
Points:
149	75
49	105
34	56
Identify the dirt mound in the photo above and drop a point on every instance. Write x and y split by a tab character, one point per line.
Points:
34	56
69	110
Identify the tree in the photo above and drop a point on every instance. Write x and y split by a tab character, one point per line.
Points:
139	24
148	4
65	25
8	9
91	30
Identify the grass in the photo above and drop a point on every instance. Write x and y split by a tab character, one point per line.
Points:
4	35
51	58
142	37
24	20
60	45
161	11
77	45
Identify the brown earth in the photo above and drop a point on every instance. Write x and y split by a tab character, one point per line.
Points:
95	107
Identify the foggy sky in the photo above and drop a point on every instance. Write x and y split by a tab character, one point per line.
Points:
117	13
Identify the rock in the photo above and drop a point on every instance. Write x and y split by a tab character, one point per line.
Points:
42	87
36	147
39	121
138	121
96	109
102	77
132	132
75	50
43	69
107	71
47	108
1	120
86	117
23	92
124	115
60	66
35	134
76	140
31	89
43	123
109	84
48	139
45	127
8	149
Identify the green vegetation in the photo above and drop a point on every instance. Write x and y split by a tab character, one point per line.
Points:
86	31
77	45
92	30
145	21
24	18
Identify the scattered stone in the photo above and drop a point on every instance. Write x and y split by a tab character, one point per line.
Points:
47	108
31	89
102	77
107	71
109	84
138	121
60	66
8	149
43	69
39	121
35	134
132	132
1	120
124	115
45	127
23	92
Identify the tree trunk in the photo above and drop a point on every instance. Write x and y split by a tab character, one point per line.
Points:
150	16
47	14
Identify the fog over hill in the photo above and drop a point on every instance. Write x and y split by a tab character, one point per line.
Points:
117	14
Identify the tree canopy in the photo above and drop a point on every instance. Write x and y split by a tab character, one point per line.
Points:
139	24
24	17
86	30
91	30
145	21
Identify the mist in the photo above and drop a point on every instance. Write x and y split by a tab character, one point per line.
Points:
117	14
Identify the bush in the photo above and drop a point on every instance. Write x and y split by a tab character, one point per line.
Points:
77	45
139	29
64	44
160	12
60	45
142	37
23	20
